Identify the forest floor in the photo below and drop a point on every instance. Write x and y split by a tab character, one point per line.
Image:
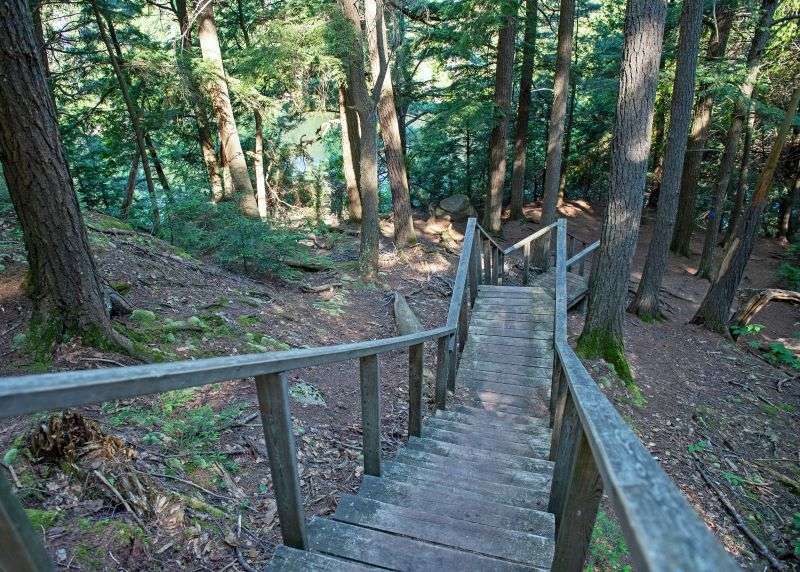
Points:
199	454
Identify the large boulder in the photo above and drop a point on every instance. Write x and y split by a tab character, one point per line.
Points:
456	207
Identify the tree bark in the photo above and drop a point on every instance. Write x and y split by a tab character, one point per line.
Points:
555	136
742	183
741	107
573	84
646	301
404	233
63	281
258	165
134	114
658	150
504	76
204	139
348	122
701	123
233	156
130	187
162	177
714	311
523	108
641	52
368	148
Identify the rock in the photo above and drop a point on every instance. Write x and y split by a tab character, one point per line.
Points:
457	207
404	317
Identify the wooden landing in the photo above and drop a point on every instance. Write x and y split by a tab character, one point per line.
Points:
472	492
577	285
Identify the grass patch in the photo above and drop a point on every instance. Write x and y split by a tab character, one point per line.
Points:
42	519
608	550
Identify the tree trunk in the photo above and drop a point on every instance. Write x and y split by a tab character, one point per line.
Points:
258	165
348	122
162	177
404	233
701	123
641	52
504	76
134	114
368	147
795	213
130	187
741	107
232	153
63	282
645	303
555	136
714	311
182	55
523	108
562	179
742	183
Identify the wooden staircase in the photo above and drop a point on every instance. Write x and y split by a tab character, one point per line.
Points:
472	492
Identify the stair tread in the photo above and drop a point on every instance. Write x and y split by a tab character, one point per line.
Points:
397	552
509	476
456	451
530	449
288	559
522	547
505	433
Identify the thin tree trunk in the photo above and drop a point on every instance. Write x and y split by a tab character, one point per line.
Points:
602	334
714	311
558	113
701	123
742	183
741	107
658	150
646	300
468	160
258	166
523	108
232	153
504	76
134	114
182	55
404	233
349	155
63	282
368	146
162	177
130	187
562	179
795	212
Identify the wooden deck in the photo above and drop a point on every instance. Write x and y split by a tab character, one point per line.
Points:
472	492
577	285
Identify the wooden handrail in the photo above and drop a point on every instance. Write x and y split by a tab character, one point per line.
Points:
20	548
582	254
595	450
530	238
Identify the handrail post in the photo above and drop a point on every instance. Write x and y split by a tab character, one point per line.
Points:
487	262
501	266
452	362
21	548
415	364
442	371
575	493
474	269
371	414
273	399
526	263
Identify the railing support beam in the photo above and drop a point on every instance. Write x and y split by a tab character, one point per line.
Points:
273	400
21	547
371	414
575	494
442	371
415	364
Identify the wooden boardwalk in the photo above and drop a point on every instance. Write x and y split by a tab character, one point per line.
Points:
472	492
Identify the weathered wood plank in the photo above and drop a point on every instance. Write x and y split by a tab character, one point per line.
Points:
513	342
288	559
501	434
510	545
273	401
371	414
460	505
21	547
493	355
397	552
530	380
415	365
527	391
511	332
531	424
442	372
521	449
479	462
461	453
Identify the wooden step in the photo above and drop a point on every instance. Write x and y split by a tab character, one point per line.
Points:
537	481
531	424
540	377
516	495
501	415
487	443
292	560
507	433
544	334
458	504
396	552
464	452
521	547
506	360
480	339
510	324
510	290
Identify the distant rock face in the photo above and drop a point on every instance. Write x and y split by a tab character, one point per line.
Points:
457	207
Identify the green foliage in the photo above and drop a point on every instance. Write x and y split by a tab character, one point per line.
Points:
306	394
219	231
699	446
750	329
604	345
778	354
608	550
796	531
790	273
42	519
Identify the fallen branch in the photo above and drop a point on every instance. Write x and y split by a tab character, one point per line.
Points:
737	518
756	302
13	474
119	496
